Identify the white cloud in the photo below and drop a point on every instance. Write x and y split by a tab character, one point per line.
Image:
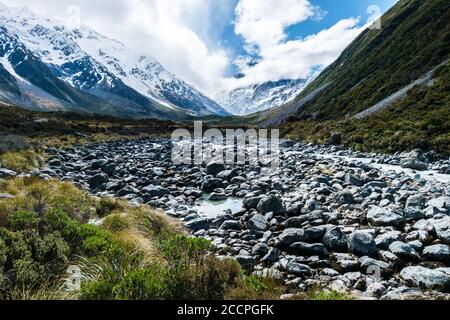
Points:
184	35
262	24
175	32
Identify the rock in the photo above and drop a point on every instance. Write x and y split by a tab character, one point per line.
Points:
353	180
442	227
260	249
271	204
437	252
7	174
258	223
345	262
291	235
214	168
345	197
336	139
227	175
231	225
376	289
421	277
404	251
372	266
335	239
383	217
414	164
272	256
384	240
361	243
306	249
246	261
251	202
98	181
156	191
402	293
416	201
330	272
299	269
217	197
441	203
270	274
209	185
414	207
198	224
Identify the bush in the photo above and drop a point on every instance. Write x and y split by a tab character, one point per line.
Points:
181	251
22	220
147	284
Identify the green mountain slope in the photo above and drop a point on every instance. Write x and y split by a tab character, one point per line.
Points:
414	39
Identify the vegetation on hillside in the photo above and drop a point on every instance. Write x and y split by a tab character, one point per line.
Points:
136	254
414	38
420	120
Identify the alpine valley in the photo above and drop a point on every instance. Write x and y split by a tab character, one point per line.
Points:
46	66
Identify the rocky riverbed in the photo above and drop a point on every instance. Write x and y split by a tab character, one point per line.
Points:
377	226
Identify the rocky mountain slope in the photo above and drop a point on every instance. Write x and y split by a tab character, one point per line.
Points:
414	39
260	97
123	82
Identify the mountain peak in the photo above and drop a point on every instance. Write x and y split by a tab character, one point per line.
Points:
106	68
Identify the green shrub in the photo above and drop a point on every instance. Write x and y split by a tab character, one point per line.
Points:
95	239
21	220
181	251
147	284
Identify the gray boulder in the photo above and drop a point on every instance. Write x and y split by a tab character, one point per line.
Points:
98	181
299	269
272	256
7	174
421	277
384	240
258	223
198	224
214	168
361	243
441	203
260	249
246	261
414	164
404	251
306	249
437	252
335	239
290	236
271	204
383	217
345	197
442	227
231	225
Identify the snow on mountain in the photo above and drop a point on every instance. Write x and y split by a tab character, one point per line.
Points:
104	67
259	97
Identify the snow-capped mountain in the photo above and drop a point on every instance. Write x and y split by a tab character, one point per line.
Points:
254	98
100	66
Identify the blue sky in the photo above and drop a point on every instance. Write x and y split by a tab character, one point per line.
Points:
207	42
333	10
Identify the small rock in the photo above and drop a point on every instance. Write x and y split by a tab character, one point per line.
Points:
271	204
421	277
383	217
437	252
361	243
